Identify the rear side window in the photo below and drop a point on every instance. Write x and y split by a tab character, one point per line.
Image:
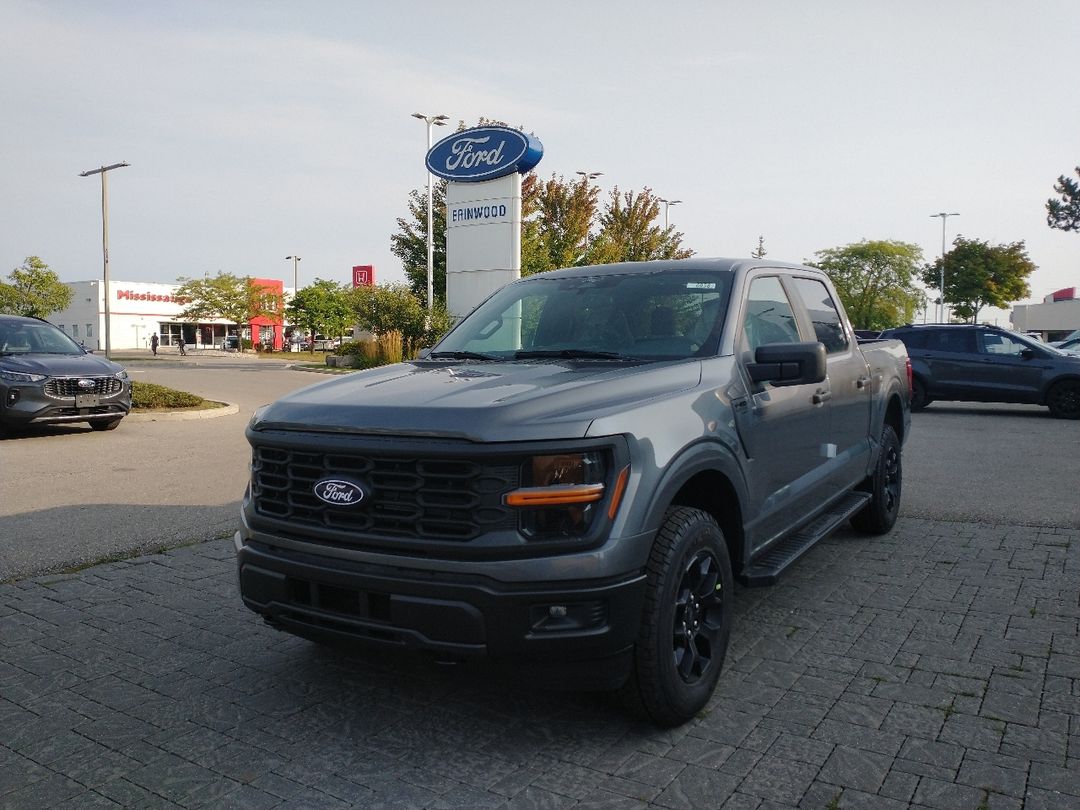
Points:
913	339
957	341
828	328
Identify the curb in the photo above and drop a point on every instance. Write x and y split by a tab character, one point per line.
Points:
227	409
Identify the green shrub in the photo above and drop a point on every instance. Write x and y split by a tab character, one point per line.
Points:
148	396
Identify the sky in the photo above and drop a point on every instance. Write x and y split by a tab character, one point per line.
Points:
260	130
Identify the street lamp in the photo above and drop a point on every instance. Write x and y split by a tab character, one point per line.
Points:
587	176
104	171
295	274
667	204
436	121
941	275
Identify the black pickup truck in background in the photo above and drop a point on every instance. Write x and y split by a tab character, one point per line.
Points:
570	481
980	363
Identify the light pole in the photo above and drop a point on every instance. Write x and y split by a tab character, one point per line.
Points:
104	172
295	274
667	204
941	275
586	178
432	121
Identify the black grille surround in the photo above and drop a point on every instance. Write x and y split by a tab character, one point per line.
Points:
68	387
423	497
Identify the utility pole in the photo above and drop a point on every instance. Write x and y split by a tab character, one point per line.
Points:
104	172
941	274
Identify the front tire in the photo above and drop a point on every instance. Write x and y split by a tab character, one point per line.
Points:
686	620
885	487
1064	400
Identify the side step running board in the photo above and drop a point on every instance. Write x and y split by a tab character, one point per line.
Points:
768	566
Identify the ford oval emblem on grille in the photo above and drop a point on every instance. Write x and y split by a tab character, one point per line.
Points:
87	384
337	492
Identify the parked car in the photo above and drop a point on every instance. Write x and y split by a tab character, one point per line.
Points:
569	481
1068	345
46	378
979	363
324	343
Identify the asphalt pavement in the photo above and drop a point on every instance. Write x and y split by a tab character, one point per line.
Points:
935	667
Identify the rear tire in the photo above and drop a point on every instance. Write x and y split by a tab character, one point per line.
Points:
919	399
101	424
884	486
686	620
1064	400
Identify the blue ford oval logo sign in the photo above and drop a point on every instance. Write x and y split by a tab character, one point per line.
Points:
484	153
338	492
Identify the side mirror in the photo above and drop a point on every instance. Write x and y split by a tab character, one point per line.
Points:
1028	354
788	363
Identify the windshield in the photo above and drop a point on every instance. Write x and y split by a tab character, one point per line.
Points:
660	315
35	337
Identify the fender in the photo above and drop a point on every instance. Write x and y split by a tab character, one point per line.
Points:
706	455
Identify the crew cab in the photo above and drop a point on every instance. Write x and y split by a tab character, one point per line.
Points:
571	479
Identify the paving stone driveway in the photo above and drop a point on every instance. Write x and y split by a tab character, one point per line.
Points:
936	667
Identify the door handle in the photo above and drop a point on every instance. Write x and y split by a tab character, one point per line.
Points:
862	382
821	396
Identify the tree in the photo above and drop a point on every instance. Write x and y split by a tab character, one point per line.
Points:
556	217
410	243
979	275
321	308
627	232
236	299
1064	214
386	308
875	281
34	290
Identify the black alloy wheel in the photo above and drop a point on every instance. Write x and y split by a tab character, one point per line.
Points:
686	619
1064	400
699	617
885	487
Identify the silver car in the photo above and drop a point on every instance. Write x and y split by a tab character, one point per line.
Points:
47	378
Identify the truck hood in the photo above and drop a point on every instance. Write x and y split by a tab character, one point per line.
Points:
477	401
60	365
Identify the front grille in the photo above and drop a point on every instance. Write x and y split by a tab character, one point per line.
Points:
67	387
440	499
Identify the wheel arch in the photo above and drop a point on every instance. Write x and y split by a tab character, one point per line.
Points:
707	478
1067	377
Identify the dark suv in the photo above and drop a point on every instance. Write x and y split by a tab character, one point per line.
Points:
47	378
976	363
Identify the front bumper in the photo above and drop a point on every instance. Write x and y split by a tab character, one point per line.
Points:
568	634
27	404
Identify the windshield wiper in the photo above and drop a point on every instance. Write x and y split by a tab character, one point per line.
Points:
460	356
575	354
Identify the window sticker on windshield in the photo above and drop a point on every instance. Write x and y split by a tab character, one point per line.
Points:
701	285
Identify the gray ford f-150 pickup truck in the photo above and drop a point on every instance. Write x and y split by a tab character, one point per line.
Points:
573	477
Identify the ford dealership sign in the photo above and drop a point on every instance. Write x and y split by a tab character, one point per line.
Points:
484	153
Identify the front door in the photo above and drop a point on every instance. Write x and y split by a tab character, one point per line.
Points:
782	428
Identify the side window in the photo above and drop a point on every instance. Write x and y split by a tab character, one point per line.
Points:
957	341
914	339
1001	345
769	317
828	328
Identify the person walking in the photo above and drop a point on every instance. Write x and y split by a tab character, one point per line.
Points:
154	343
182	345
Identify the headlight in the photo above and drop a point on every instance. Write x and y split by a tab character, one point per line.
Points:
561	494
20	376
121	375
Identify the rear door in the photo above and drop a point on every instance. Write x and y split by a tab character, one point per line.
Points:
847	450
